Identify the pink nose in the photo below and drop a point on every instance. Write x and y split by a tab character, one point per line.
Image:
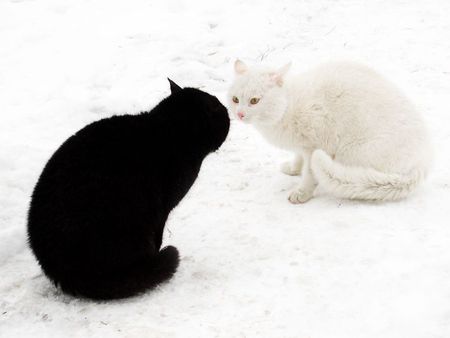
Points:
240	115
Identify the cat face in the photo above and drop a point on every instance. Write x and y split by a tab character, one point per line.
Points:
200	115
257	96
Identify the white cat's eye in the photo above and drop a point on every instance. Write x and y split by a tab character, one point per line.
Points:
235	99
254	100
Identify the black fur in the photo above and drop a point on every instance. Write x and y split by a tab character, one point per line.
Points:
98	210
173	86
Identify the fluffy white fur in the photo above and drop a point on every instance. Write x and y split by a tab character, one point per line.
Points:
351	130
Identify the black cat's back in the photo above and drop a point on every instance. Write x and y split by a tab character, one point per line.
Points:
99	208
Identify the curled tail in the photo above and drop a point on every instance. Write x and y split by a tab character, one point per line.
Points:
143	275
361	183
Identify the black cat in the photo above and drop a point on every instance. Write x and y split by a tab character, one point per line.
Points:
98	210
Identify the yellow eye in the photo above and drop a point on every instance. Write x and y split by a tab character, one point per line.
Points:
254	100
235	99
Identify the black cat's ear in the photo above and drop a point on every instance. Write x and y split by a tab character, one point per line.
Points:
174	87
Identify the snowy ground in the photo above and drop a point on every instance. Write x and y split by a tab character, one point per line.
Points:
252	264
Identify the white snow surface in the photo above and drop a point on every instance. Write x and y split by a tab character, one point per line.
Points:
252	264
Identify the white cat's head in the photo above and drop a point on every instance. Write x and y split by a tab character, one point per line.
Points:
257	95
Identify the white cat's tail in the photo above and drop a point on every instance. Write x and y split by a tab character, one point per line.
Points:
361	183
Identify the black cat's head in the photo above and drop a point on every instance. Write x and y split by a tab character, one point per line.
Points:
203	111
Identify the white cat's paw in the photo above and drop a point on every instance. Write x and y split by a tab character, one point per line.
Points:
290	168
300	196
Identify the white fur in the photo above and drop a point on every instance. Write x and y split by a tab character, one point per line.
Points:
351	130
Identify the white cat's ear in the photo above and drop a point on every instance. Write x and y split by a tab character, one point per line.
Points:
240	67
278	75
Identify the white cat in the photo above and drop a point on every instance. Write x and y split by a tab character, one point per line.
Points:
351	130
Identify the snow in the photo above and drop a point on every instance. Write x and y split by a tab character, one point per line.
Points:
252	265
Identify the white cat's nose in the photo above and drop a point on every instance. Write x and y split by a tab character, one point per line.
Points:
240	115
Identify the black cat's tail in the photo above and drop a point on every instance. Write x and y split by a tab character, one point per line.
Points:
142	276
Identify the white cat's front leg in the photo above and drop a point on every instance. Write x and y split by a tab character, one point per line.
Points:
293	168
305	190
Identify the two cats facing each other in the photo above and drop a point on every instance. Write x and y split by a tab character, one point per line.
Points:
99	208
